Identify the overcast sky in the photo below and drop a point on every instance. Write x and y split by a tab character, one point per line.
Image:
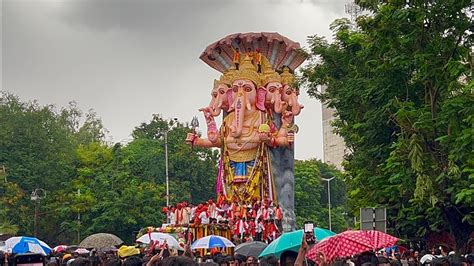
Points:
129	59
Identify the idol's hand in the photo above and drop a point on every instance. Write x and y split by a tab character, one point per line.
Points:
290	137
265	136
191	138
287	118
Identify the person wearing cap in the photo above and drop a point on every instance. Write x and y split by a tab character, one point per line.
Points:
127	251
236	57
258	60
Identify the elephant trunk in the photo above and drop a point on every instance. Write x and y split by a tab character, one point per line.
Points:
239	113
216	107
296	109
294	104
277	103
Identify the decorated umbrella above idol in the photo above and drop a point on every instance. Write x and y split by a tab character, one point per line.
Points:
279	50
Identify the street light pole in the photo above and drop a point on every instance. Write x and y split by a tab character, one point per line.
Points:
329	199
173	124
166	169
37	195
78	219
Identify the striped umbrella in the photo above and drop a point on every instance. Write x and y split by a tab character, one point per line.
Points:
25	244
212	241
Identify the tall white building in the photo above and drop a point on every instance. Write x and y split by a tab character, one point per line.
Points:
334	147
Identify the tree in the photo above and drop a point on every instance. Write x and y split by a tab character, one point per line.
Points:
91	186
193	169
38	148
401	84
311	195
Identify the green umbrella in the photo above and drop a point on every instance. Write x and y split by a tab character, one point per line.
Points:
292	241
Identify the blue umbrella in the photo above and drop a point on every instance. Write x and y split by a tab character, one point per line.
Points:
212	241
25	244
292	241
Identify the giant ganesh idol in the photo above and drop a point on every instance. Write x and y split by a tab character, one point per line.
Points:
258	99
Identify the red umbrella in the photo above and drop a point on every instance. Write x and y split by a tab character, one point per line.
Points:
349	243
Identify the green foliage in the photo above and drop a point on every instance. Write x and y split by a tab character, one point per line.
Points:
8	228
311	198
189	170
90	186
400	81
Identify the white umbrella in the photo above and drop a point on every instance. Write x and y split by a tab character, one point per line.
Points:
81	251
160	237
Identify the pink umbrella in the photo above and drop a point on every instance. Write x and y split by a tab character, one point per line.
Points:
60	248
349	243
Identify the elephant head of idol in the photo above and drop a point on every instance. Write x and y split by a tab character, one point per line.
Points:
289	92
242	96
269	94
219	100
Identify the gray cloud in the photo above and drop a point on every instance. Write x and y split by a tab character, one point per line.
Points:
130	59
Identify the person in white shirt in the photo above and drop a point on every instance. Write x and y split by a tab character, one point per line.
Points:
204	217
172	217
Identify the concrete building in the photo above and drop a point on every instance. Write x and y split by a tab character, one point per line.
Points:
334	147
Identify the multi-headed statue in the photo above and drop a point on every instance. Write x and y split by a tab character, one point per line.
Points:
258	97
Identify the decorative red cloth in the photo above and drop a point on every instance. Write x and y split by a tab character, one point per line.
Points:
271	231
179	215
265	214
221	199
241	227
252	228
278	214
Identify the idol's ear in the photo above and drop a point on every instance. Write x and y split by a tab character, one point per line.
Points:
261	94
230	99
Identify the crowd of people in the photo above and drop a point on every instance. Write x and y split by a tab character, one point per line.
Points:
258	220
391	256
162	255
137	256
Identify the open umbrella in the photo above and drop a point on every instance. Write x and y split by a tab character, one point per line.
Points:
101	240
71	248
292	241
251	249
81	251
427	258
25	244
60	248
212	241
107	249
160	237
349	243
